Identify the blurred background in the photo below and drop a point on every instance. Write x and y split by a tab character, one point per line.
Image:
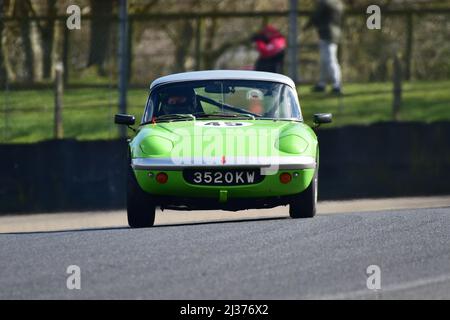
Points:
175	36
396	76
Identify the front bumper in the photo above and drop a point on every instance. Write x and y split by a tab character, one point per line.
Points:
265	163
301	168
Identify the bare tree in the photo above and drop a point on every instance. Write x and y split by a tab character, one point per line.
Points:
22	12
101	11
48	35
3	74
182	37
214	45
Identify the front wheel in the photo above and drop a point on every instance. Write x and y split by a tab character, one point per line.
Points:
140	207
303	205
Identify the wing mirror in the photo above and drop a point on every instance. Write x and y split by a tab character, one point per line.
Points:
125	119
321	118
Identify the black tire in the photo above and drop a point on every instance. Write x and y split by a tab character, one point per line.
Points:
303	205
140	207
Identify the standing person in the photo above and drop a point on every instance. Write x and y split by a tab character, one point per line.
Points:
326	18
271	45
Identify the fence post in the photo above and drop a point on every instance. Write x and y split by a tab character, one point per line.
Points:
409	45
65	52
292	50
59	91
123	61
130	50
397	88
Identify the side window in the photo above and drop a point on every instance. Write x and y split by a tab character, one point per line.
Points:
292	108
148	109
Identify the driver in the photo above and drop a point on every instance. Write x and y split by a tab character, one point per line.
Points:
255	98
178	101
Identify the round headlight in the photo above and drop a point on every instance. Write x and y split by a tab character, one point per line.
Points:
154	146
292	144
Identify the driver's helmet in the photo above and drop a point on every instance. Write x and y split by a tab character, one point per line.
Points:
255	98
255	94
178	100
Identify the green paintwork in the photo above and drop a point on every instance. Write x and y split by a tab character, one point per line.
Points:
161	139
269	187
169	138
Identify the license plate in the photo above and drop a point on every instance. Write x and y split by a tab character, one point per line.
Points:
223	177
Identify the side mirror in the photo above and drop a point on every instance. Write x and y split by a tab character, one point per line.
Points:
124	119
321	118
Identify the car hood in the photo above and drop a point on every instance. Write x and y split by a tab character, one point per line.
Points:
233	127
224	137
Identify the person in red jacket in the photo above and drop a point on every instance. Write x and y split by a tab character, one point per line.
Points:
271	45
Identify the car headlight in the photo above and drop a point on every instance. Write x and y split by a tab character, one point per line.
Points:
154	146
292	144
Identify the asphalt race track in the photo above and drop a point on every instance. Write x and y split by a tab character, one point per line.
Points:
272	258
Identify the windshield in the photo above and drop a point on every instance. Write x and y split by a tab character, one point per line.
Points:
223	99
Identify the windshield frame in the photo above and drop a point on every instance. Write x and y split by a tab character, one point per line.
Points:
149	107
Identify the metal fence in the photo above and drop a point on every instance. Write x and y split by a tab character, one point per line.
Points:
163	43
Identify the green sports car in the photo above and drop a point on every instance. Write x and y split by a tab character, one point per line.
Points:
230	140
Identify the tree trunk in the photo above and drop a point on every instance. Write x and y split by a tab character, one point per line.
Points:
36	47
22	9
182	46
208	56
3	74
211	52
102	11
48	35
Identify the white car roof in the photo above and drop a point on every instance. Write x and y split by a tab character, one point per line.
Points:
224	75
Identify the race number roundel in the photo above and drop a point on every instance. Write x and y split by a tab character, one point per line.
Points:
222	124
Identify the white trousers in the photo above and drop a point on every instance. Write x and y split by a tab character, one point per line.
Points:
330	70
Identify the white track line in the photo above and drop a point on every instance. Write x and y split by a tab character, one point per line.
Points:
386	290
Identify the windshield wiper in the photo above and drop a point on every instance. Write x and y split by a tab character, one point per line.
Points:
226	115
172	117
279	119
